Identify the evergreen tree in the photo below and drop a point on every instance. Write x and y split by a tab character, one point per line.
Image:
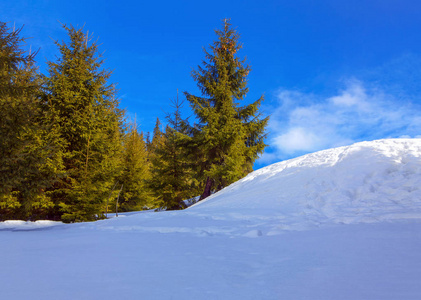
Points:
157	137
135	194
29	160
153	147
229	137
173	178
85	108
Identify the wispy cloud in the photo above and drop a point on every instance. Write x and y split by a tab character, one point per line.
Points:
303	123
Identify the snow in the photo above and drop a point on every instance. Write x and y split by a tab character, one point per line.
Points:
343	223
364	182
22	225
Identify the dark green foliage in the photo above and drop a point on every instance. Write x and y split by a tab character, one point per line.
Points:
229	137
85	109
173	178
136	194
29	160
157	137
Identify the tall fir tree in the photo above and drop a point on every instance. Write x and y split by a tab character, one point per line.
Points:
229	137
29	158
85	108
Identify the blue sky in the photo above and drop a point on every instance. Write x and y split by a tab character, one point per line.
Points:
333	72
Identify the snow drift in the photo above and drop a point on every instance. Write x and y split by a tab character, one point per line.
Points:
364	182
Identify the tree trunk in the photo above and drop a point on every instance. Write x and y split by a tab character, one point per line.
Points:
106	208
208	189
116	203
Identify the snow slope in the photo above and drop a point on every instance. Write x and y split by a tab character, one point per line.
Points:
365	182
343	223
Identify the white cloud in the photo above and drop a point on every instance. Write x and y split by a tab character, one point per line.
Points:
303	123
297	138
354	95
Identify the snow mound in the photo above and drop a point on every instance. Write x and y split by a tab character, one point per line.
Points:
17	225
365	182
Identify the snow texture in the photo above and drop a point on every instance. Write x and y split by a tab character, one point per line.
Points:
343	223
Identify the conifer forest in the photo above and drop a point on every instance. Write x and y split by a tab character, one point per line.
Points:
69	153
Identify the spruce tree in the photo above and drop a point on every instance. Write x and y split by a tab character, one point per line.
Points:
229	137
173	177
29	158
136	194
85	107
157	137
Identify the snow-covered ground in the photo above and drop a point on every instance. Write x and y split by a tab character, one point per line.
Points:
343	223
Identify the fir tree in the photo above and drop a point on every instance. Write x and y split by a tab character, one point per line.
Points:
85	108
157	137
136	194
29	160
229	137
173	178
